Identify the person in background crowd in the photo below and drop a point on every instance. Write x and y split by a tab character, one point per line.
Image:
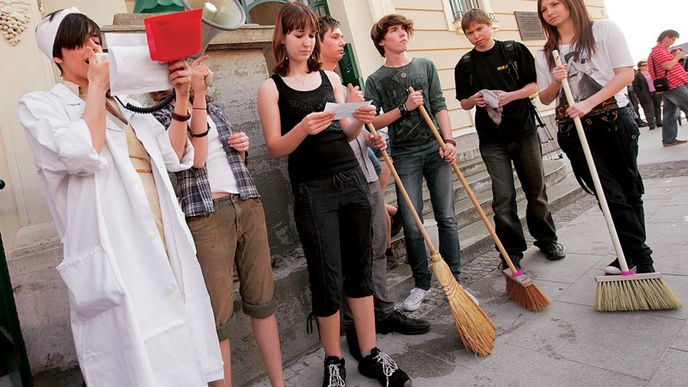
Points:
649	98
139	309
662	64
387	318
599	48
331	196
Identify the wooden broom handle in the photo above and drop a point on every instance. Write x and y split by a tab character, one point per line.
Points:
400	185
468	190
404	194
593	172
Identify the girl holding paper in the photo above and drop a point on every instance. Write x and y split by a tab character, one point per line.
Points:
140	313
331	207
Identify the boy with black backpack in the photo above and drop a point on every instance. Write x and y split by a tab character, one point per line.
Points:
498	78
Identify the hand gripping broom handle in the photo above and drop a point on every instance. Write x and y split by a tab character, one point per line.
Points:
468	190
407	199
593	173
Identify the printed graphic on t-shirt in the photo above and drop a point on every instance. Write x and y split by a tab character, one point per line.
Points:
395	87
584	78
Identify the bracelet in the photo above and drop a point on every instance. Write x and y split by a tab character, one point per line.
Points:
200	134
199	108
450	141
402	108
179	117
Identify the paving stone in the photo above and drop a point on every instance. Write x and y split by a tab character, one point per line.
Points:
613	341
508	368
681	341
672	370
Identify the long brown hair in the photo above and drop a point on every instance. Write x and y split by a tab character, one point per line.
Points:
294	16
583	40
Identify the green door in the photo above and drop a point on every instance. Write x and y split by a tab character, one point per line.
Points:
13	359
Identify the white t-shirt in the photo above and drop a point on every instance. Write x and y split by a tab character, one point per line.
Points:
220	175
586	75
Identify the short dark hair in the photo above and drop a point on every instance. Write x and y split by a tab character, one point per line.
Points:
326	23
642	63
72	32
379	30
667	33
475	16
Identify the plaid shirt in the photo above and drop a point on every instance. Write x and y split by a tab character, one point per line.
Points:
193	188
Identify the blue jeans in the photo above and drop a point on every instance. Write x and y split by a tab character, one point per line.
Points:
412	168
526	155
674	100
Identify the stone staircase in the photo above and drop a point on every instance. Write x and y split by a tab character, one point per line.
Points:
562	190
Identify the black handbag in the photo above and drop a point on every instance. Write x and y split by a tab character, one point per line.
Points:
661	84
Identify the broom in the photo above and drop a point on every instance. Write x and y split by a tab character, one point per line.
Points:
476	330
519	288
629	291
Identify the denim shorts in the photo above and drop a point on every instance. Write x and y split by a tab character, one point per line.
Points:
333	218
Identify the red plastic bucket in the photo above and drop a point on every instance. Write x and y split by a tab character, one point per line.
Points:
174	36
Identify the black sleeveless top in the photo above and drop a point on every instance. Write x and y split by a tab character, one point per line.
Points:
318	156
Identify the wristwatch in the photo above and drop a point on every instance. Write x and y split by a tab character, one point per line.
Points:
181	118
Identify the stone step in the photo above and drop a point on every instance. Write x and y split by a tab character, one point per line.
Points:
481	185
474	237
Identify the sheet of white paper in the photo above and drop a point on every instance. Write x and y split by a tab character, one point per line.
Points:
131	69
344	110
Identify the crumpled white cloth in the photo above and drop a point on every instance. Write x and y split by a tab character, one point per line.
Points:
491	98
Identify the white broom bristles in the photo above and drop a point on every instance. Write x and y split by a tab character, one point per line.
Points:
636	292
476	330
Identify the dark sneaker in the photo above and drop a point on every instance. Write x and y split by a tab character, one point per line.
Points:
380	366
397	223
397	321
335	373
503	266
352	343
553	251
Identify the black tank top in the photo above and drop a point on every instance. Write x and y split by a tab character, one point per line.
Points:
321	155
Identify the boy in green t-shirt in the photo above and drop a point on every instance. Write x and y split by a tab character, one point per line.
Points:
416	152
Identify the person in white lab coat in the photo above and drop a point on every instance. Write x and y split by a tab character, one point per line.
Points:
140	313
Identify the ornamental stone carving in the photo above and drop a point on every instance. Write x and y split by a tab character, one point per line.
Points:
14	16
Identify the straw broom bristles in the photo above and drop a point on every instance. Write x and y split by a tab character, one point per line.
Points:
635	292
476	330
519	288
523	291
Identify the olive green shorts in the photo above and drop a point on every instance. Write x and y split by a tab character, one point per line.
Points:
235	234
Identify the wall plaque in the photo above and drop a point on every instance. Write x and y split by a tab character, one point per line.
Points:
529	26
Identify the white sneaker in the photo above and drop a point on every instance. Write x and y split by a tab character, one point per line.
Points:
414	299
472	296
613	270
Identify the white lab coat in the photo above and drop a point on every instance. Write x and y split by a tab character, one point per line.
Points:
140	316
